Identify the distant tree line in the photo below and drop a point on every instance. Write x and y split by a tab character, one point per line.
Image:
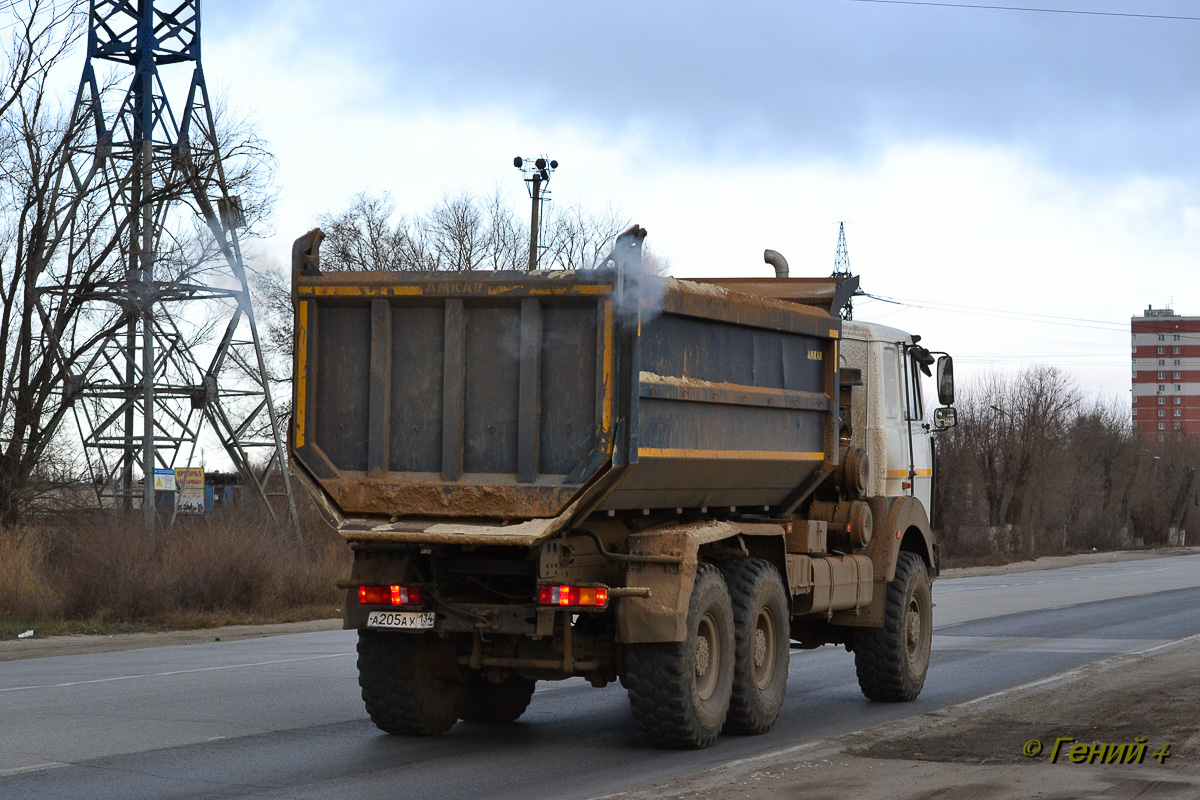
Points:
1034	467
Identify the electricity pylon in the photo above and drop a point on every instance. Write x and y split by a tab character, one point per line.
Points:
175	348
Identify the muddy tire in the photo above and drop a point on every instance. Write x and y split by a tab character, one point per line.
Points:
762	644
493	703
892	661
679	691
397	675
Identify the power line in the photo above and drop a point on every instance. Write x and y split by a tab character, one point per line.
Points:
1078	12
1026	316
998	313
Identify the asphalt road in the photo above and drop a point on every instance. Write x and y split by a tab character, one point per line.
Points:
281	718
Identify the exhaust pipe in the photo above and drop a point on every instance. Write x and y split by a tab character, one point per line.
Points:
777	261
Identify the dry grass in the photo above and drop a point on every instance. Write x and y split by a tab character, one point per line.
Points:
103	573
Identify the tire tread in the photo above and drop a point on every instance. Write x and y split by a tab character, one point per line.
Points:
879	652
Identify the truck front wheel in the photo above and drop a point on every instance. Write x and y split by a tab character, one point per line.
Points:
679	691
761	644
405	682
892	661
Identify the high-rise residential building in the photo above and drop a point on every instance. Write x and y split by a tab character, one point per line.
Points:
1166	375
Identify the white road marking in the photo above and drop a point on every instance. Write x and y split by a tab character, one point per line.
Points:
1042	644
174	672
4	773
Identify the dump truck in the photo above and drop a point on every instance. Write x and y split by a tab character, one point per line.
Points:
608	474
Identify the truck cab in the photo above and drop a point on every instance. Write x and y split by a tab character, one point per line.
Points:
894	433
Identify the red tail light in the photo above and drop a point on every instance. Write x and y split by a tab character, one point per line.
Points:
389	595
579	596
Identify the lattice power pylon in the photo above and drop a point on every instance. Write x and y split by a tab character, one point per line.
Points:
174	349
841	267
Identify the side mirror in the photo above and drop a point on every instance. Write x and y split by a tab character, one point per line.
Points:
944	418
945	381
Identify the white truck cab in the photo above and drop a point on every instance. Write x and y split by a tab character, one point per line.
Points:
889	414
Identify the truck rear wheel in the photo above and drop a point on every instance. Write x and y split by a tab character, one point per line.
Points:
762	643
892	661
398	674
679	691
489	702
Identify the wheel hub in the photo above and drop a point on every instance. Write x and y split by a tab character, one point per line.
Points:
913	629
708	657
763	648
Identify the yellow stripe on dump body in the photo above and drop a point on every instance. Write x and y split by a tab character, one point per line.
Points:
903	473
761	455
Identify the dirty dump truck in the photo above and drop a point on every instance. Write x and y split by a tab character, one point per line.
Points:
607	474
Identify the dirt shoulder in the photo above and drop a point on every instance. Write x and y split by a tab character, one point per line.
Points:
975	749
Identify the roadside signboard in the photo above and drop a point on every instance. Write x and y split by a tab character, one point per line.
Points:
164	479
191	490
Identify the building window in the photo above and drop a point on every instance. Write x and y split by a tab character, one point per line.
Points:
1178	425
1178	375
1175	351
1162	426
1178	400
1135	348
1162	413
1135	373
1162	375
1178	413
1162	388
1162	401
1178	387
1135	412
1162	437
1162	338
1176	364
1162	350
1175	338
1162	362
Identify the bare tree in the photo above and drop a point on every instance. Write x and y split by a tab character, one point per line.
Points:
363	237
32	132
458	234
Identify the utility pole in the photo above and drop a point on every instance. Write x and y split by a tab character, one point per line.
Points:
536	178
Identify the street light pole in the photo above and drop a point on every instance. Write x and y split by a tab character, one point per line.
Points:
537	176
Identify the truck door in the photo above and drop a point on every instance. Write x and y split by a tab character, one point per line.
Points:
903	421
894	424
922	450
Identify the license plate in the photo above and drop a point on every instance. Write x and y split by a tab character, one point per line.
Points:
401	620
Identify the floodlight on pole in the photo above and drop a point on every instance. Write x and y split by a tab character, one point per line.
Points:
537	177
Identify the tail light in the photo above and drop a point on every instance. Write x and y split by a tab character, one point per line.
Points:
389	595
573	596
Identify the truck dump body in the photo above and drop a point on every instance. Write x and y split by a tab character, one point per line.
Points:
517	396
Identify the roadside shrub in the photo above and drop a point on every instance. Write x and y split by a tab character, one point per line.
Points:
24	590
237	566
